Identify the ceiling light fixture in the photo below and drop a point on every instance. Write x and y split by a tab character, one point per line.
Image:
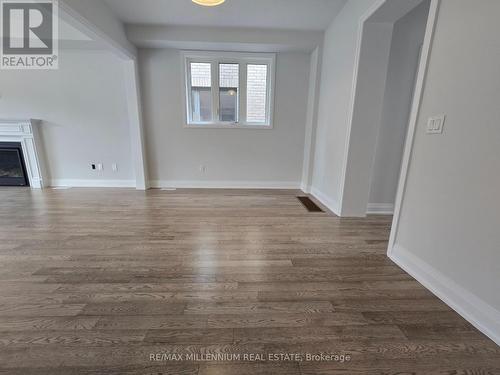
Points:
208	3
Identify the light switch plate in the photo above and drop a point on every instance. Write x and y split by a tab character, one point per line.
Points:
435	124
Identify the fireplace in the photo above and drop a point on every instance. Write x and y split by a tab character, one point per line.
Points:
22	158
12	166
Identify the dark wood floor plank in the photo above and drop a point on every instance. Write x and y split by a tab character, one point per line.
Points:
142	322
258	307
105	279
250	369
144	287
167	297
283	320
332	295
396	304
296	335
190	336
46	323
170	369
132	308
441	332
467	367
422	316
76	338
39	309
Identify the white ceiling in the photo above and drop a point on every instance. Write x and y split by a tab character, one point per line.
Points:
69	32
268	14
72	38
392	10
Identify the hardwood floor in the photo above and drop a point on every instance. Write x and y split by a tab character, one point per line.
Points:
98	281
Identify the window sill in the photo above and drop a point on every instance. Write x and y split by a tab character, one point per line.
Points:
222	125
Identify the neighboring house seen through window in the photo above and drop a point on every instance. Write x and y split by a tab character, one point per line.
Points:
201	92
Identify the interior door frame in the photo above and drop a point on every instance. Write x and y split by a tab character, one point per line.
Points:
414	118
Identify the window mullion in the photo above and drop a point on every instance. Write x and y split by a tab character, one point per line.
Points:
243	93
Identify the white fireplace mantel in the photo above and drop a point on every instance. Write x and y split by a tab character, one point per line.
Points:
27	132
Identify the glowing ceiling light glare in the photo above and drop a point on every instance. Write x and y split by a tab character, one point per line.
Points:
208	3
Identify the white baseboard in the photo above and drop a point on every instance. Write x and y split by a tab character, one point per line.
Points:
94	183
328	202
479	313
380	209
285	185
305	188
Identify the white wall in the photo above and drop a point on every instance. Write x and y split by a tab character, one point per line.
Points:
311	118
337	74
407	38
448	233
369	99
84	113
233	157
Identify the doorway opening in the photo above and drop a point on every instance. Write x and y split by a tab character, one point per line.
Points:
389	59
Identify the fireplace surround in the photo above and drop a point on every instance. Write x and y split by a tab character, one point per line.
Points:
26	134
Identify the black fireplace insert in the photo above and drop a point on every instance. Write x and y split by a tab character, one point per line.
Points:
12	167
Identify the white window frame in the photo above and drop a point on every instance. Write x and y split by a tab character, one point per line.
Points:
243	59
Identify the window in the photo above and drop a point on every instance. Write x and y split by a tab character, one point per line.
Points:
256	93
201	92
229	82
229	90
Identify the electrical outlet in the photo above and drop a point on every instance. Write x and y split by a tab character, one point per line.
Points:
114	167
100	167
203	168
435	124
